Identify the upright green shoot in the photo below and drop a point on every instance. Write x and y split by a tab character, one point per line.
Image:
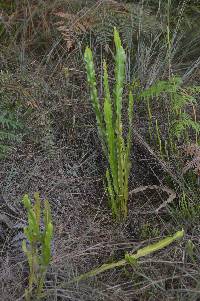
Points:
110	128
37	245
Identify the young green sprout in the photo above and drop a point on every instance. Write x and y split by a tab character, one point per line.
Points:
37	246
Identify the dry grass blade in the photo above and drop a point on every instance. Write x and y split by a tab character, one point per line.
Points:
170	192
72	25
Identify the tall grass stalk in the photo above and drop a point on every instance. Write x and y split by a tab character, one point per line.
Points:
110	128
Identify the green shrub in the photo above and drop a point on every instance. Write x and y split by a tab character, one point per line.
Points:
179	122
10	126
110	128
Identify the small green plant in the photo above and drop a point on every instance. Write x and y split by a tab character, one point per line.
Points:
148	231
10	126
187	210
37	246
179	122
190	249
109	123
8	132
133	258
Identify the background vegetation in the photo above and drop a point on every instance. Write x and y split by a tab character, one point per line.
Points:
49	143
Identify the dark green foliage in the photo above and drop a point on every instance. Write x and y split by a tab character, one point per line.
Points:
10	126
179	98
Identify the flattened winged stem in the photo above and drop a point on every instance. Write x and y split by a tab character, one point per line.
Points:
132	258
38	249
120	60
91	78
47	214
127	152
37	207
110	132
47	235
130	121
111	193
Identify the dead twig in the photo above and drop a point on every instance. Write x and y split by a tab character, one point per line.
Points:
171	193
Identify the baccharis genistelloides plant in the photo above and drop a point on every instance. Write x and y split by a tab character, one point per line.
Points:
37	247
110	127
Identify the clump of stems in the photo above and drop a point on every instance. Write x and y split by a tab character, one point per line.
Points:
110	128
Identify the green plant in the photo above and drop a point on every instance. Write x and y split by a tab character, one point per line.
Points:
132	258
148	231
187	210
182	122
8	132
190	249
179	122
37	245
10	126
109	123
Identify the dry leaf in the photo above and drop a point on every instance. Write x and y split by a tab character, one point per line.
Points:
192	150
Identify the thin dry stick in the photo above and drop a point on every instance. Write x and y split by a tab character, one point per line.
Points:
171	193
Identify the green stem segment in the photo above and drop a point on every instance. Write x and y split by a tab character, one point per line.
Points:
132	258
